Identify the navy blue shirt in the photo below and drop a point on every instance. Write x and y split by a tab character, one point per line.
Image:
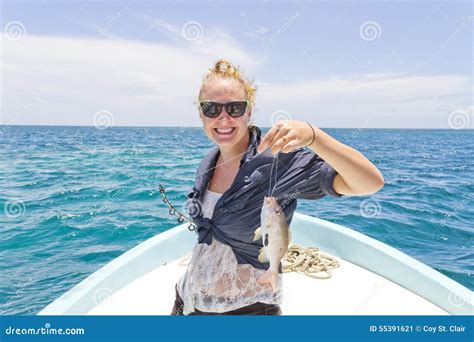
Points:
300	174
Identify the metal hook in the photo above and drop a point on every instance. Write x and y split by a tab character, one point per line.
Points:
175	212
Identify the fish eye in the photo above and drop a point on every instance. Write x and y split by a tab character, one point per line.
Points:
278	212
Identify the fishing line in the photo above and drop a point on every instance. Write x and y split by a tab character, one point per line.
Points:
270	180
274	162
180	216
205	171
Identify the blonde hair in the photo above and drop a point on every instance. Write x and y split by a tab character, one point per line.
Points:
225	69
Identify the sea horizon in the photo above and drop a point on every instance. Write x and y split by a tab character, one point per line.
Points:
267	127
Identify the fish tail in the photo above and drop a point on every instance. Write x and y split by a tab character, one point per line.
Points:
269	277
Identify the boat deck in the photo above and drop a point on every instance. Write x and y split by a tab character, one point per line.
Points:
352	290
373	279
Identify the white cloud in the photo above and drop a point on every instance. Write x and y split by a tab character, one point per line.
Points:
64	81
370	101
203	39
140	83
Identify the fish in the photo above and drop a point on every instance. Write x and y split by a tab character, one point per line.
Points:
276	236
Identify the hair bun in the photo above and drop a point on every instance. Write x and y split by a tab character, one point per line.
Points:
224	67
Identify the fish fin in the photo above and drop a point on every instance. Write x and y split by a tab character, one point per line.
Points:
258	234
262	256
269	277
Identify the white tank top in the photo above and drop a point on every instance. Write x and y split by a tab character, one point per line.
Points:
215	282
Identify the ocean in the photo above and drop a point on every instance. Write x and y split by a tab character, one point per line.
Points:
74	198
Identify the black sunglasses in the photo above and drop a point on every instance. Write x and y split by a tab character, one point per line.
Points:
214	109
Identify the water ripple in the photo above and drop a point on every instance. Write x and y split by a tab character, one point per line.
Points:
90	195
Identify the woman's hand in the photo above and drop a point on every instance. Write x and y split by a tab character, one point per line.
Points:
286	136
356	174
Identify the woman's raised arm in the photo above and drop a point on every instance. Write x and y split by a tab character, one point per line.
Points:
356	174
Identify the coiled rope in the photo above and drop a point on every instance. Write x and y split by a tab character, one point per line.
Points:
307	260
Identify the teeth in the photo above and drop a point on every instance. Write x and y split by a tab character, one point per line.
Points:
224	130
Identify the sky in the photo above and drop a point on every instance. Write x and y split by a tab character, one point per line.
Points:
354	64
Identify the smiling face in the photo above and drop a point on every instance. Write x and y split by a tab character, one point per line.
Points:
224	131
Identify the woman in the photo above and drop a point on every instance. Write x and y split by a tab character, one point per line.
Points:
231	182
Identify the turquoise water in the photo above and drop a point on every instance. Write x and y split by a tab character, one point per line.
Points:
74	198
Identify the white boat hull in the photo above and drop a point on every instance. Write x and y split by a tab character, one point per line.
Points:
373	279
